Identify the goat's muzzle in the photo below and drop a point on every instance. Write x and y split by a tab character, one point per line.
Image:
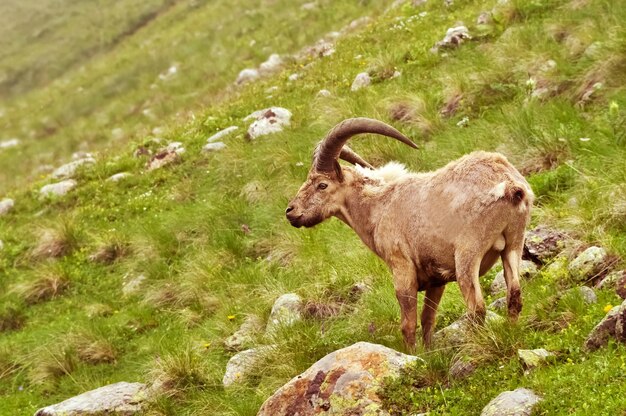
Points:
293	218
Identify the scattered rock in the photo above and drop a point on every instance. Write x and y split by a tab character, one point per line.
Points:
612	325
119	399
533	358
267	121
69	169
484	18
527	270
273	63
245	334
6	205
617	281
519	402
166	156
285	312
240	365
362	80
586	293
588	263
324	93
97	310
131	286
320	49
222	133
119	176
499	304
345	382
58	189
212	147
309	6
454	37
293	77
6	144
457	332
247	75
543	243
461	369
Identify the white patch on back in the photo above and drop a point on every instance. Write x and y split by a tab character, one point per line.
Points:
498	190
387	173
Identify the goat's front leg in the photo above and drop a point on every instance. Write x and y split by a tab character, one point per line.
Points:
467	268
405	283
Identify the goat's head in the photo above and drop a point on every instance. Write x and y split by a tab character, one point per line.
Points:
323	193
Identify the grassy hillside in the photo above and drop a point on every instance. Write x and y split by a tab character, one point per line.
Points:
543	82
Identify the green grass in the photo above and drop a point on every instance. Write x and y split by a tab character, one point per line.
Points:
181	226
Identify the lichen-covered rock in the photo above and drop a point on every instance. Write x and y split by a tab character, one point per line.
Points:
57	189
119	176
221	134
461	369
543	243
527	270
324	93
166	156
345	382
273	63
120	399
286	311
612	325
519	402
533	358
6	205
361	80
588	263
241	365
457	332
586	293
69	169
268	121
453	38
616	281
245	334
498	304
213	147
247	75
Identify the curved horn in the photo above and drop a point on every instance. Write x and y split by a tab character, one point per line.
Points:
330	148
351	156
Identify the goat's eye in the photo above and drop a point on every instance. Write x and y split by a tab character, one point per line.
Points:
322	186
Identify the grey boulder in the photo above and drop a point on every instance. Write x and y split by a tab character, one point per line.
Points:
519	402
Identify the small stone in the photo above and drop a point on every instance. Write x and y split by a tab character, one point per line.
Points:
309	6
119	399
247	75
533	358
97	310
268	121
453	38
241	365
69	169
285	312
542	244
457	332
293	77
462	369
119	176
222	133
273	63
6	205
166	156
519	402
588	263
499	304
586	293
212	147
245	334
6	144
324	93
57	189
527	270
616	281
362	80
345	382
117	133
484	18
612	325
133	285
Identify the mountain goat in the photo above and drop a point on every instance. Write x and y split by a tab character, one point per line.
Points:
430	228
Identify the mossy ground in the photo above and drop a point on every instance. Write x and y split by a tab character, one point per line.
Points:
181	226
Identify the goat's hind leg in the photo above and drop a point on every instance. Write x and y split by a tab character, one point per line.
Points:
511	257
429	312
467	265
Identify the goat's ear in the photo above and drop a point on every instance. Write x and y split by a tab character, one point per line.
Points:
338	171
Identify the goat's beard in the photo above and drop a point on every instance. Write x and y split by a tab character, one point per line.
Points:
307	222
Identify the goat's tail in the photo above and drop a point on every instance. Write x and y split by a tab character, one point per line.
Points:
514	192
